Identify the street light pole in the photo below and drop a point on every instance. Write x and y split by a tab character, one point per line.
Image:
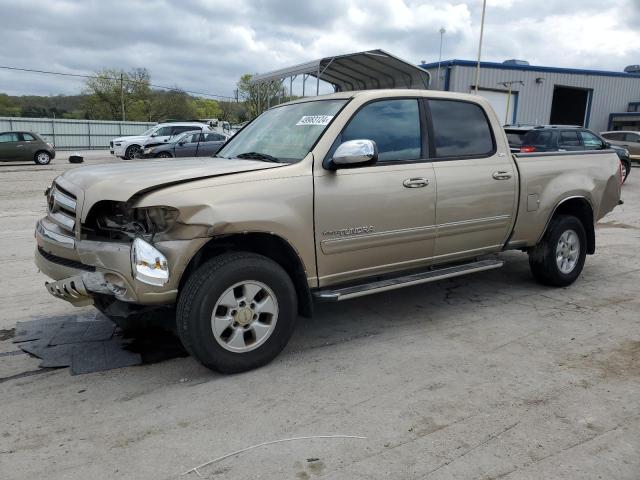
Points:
484	7
442	32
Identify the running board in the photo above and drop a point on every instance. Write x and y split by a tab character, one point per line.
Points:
345	293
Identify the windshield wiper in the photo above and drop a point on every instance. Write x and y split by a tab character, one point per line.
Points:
258	156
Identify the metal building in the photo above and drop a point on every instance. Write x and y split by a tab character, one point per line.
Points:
528	94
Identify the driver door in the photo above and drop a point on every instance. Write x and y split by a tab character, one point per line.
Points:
188	146
376	219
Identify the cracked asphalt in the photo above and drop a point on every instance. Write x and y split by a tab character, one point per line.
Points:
486	376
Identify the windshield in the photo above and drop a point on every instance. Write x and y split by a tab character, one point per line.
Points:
148	133
284	133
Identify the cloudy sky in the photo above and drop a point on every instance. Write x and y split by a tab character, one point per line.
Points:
205	45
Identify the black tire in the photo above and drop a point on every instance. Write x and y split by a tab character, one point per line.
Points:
164	155
208	284
42	157
132	151
626	170
543	258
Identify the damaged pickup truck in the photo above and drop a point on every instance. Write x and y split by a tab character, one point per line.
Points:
321	199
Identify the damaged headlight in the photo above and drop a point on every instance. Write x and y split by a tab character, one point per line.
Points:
148	263
119	220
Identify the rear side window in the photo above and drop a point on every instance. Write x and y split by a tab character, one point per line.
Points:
27	137
539	138
8	137
460	129
214	137
393	124
182	128
569	139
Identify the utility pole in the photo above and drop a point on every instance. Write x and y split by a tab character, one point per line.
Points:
122	94
442	32
484	7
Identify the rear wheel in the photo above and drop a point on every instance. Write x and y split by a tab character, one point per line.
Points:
42	158
559	258
133	151
237	312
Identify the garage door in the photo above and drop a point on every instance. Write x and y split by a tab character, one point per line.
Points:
498	101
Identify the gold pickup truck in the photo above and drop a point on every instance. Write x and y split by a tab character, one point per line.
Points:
321	199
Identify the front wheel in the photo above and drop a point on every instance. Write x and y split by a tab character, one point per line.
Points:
559	258
163	155
42	158
237	312
132	151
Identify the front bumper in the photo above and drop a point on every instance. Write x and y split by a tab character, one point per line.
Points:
82	268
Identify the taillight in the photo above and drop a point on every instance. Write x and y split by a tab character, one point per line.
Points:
620	172
527	149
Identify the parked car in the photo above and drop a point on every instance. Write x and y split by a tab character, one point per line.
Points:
563	138
189	144
625	139
328	199
132	146
25	147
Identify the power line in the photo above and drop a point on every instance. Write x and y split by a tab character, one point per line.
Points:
173	89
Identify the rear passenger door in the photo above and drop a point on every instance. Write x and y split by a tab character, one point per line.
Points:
211	144
476	180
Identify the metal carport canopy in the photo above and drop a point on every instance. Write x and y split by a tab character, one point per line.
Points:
354	71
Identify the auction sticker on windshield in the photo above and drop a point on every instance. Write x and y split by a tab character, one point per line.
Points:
315	120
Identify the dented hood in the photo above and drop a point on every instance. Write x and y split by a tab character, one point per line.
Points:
121	181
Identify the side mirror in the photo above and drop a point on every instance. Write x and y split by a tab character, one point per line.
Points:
606	145
355	153
181	143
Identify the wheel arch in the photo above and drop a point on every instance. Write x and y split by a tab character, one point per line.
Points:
581	208
268	245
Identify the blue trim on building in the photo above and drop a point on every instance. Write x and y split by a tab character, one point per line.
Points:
620	114
531	68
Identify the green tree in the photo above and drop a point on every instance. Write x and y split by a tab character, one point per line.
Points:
257	98
206	108
8	107
111	89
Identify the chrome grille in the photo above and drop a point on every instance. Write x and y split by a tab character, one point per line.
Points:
62	208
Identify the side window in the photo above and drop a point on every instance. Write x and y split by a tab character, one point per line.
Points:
181	128
630	137
27	137
393	124
569	138
460	129
8	137
214	137
163	132
539	138
591	142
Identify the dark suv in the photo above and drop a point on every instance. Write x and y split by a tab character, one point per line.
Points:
561	138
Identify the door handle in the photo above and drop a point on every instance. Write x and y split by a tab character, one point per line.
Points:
417	182
501	175
19	146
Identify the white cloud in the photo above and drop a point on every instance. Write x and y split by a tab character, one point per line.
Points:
205	45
